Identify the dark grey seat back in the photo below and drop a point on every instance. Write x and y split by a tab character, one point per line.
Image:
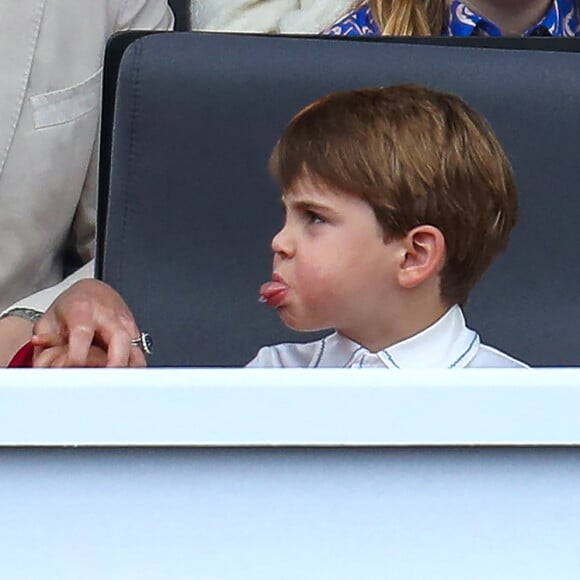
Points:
191	208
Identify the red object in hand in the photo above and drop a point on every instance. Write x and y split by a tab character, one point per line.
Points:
23	358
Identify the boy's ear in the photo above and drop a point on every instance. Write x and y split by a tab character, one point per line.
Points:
423	256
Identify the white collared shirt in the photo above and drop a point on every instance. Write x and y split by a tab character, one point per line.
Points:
446	344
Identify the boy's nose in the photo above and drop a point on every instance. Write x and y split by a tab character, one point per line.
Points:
281	243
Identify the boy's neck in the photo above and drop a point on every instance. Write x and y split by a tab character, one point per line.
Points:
409	320
513	17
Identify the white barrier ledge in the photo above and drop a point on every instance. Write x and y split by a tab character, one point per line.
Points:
289	407
196	479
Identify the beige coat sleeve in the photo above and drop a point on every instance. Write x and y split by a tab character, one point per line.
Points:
122	15
133	14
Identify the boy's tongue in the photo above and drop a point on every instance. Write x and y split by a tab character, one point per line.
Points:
271	292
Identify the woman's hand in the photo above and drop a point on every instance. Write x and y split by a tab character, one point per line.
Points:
87	325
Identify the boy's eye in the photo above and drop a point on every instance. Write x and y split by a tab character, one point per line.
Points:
314	218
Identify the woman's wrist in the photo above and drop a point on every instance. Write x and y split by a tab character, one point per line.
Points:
14	333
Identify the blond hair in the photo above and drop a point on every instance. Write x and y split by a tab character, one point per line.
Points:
409	17
417	157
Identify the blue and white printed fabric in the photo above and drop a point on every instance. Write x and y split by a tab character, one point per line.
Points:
560	20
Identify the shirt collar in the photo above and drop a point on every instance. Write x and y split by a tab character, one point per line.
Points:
560	20
447	343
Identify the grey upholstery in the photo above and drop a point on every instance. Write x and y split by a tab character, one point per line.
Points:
191	208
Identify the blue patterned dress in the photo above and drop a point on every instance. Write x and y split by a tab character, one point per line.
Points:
560	20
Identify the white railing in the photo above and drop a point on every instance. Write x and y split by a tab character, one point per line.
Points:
289	407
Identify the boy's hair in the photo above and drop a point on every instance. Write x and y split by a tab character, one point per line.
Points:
417	156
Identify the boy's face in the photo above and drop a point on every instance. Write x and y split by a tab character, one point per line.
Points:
331	261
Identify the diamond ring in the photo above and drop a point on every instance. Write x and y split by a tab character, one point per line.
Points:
144	342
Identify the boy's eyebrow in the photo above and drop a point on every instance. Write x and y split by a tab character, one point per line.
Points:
304	204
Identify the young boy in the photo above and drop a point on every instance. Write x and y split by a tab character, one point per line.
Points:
397	200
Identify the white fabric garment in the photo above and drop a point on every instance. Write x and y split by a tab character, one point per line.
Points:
270	16
446	344
240	15
314	16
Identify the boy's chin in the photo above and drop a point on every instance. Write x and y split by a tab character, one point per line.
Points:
298	325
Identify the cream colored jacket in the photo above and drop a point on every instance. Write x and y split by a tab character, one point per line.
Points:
51	55
271	16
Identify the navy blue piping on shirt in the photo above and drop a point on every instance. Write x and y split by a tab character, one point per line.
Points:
476	336
391	359
352	356
320	352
